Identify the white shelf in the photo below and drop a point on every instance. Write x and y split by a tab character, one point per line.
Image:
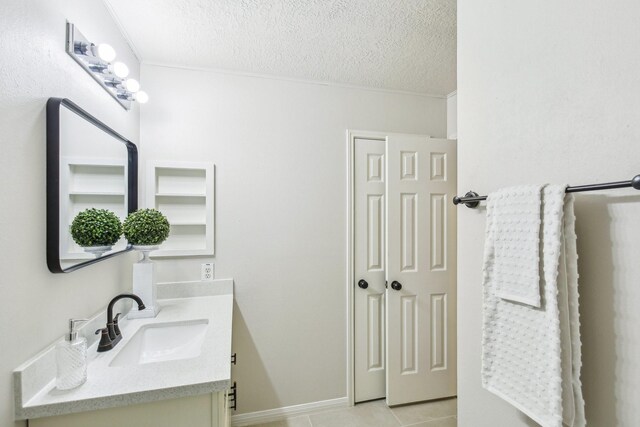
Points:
89	175
87	182
95	193
184	193
180	195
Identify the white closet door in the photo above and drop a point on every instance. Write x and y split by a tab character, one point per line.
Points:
420	267
369	257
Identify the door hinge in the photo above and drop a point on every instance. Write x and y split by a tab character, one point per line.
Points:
233	359
233	397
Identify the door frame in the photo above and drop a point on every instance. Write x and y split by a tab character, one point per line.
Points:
352	135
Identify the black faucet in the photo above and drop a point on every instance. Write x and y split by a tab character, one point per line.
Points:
111	334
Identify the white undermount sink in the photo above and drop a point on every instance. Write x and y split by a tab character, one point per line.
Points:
161	342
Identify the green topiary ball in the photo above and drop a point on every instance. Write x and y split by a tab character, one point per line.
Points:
96	227
146	227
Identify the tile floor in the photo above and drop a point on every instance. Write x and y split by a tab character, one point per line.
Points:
439	413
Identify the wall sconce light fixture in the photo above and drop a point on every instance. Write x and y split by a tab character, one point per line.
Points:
98	61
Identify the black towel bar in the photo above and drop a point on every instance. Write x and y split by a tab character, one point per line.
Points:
472	199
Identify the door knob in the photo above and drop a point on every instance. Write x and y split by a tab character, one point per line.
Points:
363	284
396	285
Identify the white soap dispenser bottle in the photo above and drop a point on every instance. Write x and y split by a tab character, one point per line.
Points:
71	358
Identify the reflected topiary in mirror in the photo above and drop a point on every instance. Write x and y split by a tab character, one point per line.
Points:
146	227
96	227
89	165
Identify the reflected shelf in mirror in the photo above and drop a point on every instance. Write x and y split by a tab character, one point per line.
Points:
89	165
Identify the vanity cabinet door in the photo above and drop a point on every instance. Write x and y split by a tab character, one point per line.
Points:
224	413
205	410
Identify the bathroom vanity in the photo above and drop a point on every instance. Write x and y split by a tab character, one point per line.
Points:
206	410
174	369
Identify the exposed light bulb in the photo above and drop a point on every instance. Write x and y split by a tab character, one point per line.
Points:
132	85
120	69
142	97
106	52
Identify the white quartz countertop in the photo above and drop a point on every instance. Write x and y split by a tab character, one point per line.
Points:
108	387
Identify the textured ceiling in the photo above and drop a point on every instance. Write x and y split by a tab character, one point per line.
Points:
392	44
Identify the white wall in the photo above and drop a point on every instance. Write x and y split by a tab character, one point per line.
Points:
548	92
34	303
280	153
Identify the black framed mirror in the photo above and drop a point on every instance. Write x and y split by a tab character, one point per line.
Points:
89	165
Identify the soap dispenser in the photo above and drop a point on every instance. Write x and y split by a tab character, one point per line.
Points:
71	358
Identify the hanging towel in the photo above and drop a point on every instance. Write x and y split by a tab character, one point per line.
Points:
515	212
531	356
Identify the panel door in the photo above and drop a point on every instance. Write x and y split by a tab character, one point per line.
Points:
369	257
420	267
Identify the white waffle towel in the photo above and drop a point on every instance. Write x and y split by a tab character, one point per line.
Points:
515	212
531	356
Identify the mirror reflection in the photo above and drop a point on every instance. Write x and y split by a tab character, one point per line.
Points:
94	176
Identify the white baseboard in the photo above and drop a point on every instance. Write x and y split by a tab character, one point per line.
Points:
278	414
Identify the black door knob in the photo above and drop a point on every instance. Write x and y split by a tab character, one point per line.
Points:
396	285
363	284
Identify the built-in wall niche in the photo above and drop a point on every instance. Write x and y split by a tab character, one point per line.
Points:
184	193
86	183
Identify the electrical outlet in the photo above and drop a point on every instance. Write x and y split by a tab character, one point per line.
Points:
207	271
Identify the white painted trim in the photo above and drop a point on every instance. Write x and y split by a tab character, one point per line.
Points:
349	269
291	79
278	414
454	93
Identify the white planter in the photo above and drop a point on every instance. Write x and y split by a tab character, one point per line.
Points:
144	284
97	251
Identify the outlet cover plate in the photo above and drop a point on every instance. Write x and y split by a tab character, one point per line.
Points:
207	272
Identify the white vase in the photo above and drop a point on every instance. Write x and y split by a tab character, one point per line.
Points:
145	249
144	284
97	251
